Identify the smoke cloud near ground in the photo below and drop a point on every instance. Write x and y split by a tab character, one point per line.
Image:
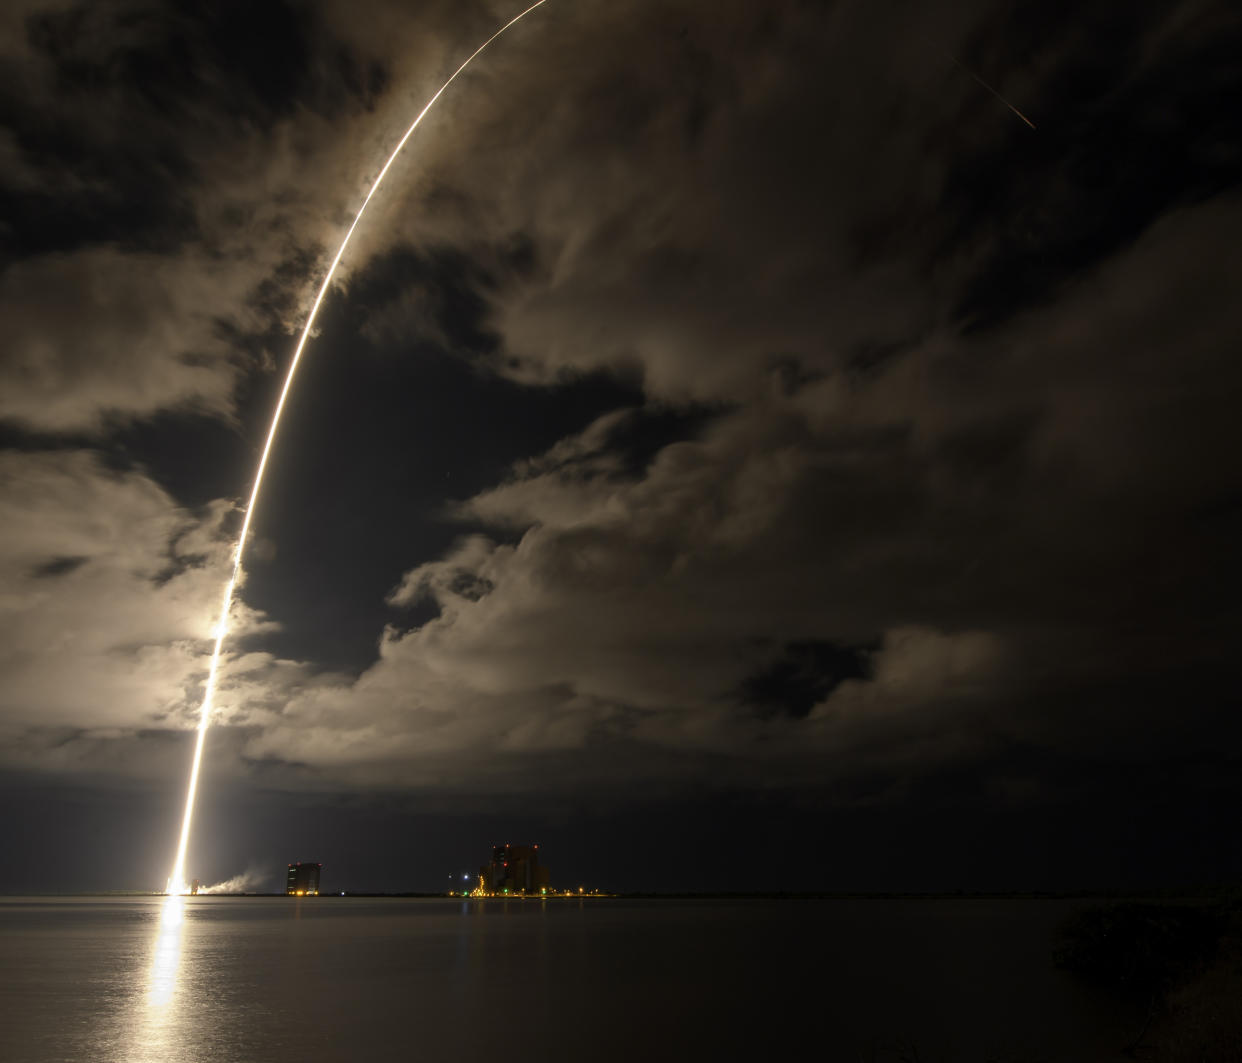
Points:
251	880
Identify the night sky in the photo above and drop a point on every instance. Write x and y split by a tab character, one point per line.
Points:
739	453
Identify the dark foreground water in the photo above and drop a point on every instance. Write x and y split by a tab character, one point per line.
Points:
251	979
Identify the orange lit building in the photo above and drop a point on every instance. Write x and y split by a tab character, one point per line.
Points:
514	869
303	880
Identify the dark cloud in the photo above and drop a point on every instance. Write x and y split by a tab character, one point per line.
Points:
119	85
1134	127
139	266
58	566
804	675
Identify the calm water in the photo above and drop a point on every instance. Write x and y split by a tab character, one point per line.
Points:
252	979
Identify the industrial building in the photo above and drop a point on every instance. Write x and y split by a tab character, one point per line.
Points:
514	869
303	880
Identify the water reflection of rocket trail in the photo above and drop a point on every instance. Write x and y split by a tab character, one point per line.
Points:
156	1032
176	879
166	958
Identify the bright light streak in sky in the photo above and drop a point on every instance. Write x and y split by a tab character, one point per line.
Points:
176	880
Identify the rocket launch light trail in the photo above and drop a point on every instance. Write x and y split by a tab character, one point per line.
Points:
176	880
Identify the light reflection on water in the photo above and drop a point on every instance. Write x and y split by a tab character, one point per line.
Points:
162	981
156	1023
235	980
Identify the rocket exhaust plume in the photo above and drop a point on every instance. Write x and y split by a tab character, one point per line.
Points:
247	881
176	879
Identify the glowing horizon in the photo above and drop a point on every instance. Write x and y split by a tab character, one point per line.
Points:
176	879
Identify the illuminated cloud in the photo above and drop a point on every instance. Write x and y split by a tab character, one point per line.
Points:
109	591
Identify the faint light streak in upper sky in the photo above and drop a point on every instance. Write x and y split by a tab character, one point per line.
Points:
176	880
993	91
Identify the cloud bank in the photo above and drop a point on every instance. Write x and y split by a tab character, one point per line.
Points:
928	453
